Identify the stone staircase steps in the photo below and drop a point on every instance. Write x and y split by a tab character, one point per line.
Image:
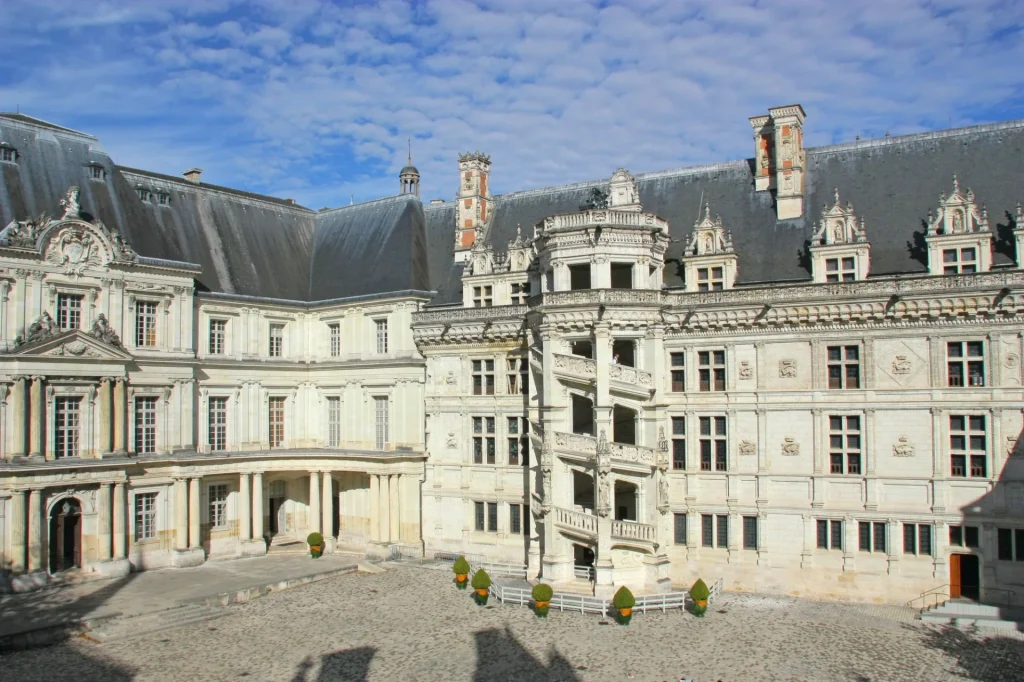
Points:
982	616
121	629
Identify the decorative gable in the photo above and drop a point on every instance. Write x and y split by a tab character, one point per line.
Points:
709	261
1018	234
959	240
74	344
623	194
839	248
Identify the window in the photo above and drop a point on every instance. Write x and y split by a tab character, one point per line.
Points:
844	444
276	340
711	370
382	336
678	442
965	363
917	539
483	297
679	534
163	199
333	421
520	292
517	429
963	536
145	323
515	519
709	536
713	443
145	516
143	193
218	333
710	279
483	443
381	421
478	515
218	505
830	534
335	331
872	536
492	517
69	311
483	377
145	425
1010	544
844	367
967	445
722	539
518	379
276	422
486	514
97	172
840	269
218	423
8	154
66	419
749	532
678	361
959	261
707	530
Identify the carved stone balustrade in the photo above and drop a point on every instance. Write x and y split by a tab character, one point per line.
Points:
575	366
500	312
576	442
631	530
603	217
578	521
631	378
633	453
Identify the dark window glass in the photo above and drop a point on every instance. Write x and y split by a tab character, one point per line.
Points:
707	528
749	532
680	529
1004	540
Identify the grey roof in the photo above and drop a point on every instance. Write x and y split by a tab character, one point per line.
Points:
893	183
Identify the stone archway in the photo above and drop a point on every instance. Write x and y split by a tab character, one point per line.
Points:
66	535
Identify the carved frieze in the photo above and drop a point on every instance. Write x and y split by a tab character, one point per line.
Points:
903	448
748	447
901	365
746	372
787	369
790	448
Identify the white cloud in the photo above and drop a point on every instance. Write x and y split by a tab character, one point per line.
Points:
315	101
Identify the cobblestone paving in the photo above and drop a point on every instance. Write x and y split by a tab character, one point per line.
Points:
410	623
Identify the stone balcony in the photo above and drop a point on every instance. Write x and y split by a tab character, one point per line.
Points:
605	217
631	530
574	366
582	444
578	522
631	380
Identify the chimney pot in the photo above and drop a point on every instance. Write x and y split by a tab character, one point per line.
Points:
192	175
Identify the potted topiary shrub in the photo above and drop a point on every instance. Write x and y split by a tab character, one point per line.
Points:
699	593
542	599
461	568
623	602
316	544
482	584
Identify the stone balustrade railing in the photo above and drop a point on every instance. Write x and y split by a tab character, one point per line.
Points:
586	523
453	314
575	365
633	453
595	217
631	375
576	442
631	530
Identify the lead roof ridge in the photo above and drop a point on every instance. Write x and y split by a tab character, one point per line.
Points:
277	201
379	200
17	118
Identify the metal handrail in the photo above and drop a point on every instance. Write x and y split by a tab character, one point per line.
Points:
944	591
1010	594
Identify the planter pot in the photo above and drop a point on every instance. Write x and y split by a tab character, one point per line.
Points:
481	596
461	584
461	578
700	607
315	551
541	608
624	616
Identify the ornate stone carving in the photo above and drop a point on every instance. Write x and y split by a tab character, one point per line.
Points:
663	503
903	448
790	447
102	331
748	447
575	365
75	348
630	375
72	209
746	371
42	329
901	365
957	214
708	237
74	250
1011	361
838	225
451	379
787	369
23	234
452	442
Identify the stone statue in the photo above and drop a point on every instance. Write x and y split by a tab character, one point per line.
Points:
597	200
662	494
122	251
102	331
43	328
605	500
70	204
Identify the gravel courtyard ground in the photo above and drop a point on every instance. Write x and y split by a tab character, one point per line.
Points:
410	623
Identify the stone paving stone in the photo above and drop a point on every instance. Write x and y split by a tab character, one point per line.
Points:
410	623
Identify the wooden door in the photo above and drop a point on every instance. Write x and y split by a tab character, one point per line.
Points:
954	575
77	539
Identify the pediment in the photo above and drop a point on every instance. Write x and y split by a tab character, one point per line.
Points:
73	344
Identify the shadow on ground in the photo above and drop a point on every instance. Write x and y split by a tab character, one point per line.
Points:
348	665
994	659
500	656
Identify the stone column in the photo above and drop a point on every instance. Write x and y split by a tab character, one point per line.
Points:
194	541
180	514
257	505
18	531
374	509
37	424
120	416
327	506
105	418
120	507
105	532
313	518
384	496
35	530
20	444
395	509
244	509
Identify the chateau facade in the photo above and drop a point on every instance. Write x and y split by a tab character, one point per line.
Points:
813	387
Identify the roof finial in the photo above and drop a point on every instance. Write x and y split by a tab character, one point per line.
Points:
410	150
707	210
956	184
837	196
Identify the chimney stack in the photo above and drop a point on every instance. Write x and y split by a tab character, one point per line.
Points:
192	175
779	157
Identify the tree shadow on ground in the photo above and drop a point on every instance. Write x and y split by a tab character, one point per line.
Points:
501	657
993	659
75	666
348	665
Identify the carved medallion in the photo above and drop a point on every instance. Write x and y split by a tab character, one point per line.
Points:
787	369
746	371
901	365
790	447
452	441
748	447
903	448
1011	361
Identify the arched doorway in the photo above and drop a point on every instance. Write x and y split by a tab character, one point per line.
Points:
65	535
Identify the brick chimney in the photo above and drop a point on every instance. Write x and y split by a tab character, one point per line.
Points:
474	199
192	175
779	158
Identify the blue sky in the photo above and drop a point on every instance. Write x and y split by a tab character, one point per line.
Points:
315	100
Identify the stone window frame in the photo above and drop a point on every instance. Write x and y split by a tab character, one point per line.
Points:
224	350
139	316
330	396
521	438
379	347
483	438
679	531
97	172
334	335
483	373
964	542
276	350
515	518
717	533
712	366
969	452
230	402
485	507
135	424
841	273
162	394
208	502
713	437
1014	544
389	432
519	297
159	518
276	397
483	295
8	154
86	392
65	294
830	527
520	376
959	264
707	279
965	360
77	429
745	520
914	540
873	527
679	437
845	450
843	363
674	370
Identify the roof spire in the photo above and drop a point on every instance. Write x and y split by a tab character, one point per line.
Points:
410	150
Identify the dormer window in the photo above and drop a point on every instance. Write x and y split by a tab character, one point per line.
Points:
709	261
710	279
97	172
839	248
163	199
959	261
483	296
144	194
8	154
959	240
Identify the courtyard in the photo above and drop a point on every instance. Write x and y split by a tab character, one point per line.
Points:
410	623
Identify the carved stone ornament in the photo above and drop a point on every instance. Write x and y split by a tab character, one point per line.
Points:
903	448
901	365
746	371
790	447
451	379
75	348
604	503
452	442
663	505
662	441
74	250
102	331
23	234
748	447
708	236
1011	361
787	369
42	329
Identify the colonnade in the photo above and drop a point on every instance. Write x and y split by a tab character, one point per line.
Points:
385	508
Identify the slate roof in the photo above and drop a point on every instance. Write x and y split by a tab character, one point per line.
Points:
256	245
